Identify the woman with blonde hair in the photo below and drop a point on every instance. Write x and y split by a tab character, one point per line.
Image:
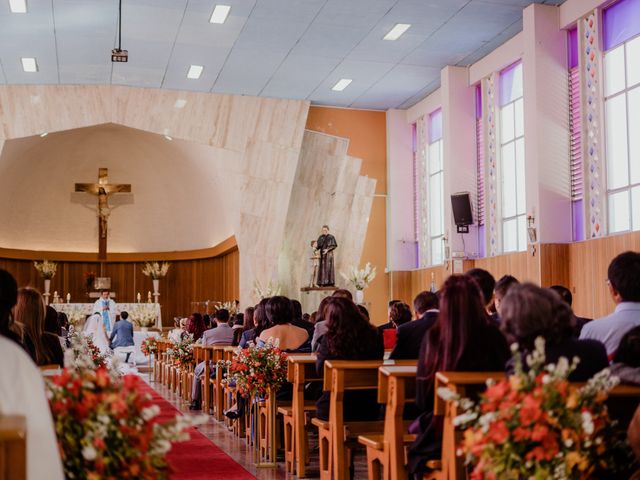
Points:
29	312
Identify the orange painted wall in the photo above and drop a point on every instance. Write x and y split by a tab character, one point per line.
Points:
367	134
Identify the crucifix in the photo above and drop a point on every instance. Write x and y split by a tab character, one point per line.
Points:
103	190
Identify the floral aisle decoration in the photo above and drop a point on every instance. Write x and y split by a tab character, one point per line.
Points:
46	269
106	427
182	351
149	346
83	353
156	270
536	425
270	290
256	370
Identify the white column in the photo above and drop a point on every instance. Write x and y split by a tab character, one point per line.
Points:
546	114
401	246
460	156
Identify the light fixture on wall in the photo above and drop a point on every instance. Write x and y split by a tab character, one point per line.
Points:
532	233
117	54
220	14
18	6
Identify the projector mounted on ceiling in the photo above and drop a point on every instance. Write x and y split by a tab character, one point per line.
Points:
117	54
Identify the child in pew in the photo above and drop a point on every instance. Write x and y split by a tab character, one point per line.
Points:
350	336
464	339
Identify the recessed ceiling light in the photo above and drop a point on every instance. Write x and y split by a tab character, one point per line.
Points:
341	85
194	72
220	13
397	31
180	103
29	64
18	6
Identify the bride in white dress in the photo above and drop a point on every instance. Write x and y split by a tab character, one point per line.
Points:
94	327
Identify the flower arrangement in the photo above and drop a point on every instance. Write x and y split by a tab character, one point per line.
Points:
230	306
149	345
144	315
83	353
271	290
535	425
155	270
256	370
46	269
182	350
360	278
106	428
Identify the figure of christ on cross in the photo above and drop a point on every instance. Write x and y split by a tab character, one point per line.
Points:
103	190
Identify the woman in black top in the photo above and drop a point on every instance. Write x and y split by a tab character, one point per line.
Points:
529	312
44	348
464	339
350	336
8	298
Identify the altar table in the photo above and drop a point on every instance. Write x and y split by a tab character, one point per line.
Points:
77	312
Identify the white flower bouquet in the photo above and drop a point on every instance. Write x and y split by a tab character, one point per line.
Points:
230	306
271	290
360	278
144	315
46	269
155	270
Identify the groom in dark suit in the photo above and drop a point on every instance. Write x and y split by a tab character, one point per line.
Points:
123	333
411	334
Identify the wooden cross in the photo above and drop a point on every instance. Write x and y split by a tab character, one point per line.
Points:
103	190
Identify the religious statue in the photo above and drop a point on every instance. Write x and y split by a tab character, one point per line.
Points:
326	244
315	261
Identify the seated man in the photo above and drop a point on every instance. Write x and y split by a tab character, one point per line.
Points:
222	334
409	336
624	287
123	334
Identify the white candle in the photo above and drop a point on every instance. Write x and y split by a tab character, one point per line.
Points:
68	297
139	297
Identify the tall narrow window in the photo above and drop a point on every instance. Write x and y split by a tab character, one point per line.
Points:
480	171
416	191
621	28
575	138
435	188
513	199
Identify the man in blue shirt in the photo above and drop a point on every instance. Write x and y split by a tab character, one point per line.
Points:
624	287
123	333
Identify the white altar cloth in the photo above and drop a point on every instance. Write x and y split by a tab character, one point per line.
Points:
76	310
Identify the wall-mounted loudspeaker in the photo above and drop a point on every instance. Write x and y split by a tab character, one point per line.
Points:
461	208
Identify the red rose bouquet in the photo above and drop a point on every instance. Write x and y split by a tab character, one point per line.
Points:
182	351
255	369
149	345
84	353
535	425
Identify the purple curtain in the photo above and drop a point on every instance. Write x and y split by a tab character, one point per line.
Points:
621	21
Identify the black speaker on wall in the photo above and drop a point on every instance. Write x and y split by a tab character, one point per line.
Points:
461	208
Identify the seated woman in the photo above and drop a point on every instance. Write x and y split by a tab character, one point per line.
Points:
399	314
529	312
626	362
44	348
8	298
464	339
289	337
247	325
350	336
195	326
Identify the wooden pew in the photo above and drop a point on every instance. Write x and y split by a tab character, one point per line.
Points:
341	376
385	452
301	370
207	358
13	447
218	401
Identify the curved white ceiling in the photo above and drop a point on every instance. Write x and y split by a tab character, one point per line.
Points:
295	49
175	204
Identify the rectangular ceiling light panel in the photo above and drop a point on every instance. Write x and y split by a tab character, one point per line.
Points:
220	13
18	6
194	72
341	85
396	32
29	64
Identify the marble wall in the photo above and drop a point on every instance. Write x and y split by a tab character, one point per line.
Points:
328	189
256	146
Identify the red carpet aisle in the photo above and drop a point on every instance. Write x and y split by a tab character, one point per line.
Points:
199	458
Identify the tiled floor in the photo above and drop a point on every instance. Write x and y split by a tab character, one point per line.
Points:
237	449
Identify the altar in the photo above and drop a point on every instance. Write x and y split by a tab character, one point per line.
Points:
78	312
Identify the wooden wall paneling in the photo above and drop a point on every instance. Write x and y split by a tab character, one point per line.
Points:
554	264
521	265
401	286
